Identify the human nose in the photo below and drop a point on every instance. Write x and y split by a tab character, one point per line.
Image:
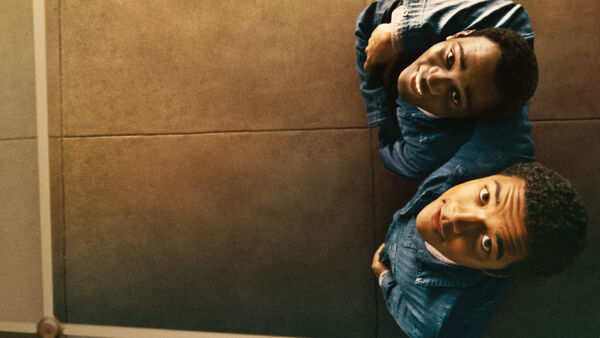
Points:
464	221
438	80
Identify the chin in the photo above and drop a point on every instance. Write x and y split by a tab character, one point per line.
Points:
405	95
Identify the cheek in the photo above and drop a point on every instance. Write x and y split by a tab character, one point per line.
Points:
459	250
435	107
404	83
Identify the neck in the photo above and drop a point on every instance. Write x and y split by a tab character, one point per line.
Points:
427	113
438	255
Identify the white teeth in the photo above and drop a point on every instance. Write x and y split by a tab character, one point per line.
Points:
418	83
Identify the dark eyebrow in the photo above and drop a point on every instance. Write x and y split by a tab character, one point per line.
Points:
498	188
461	52
500	247
463	66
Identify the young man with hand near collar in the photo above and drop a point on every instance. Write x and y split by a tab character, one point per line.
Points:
462	87
442	269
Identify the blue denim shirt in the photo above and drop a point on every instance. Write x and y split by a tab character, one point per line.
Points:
429	298
412	144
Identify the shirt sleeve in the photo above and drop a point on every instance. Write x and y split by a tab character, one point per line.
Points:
428	22
397	16
387	285
493	146
379	97
413	145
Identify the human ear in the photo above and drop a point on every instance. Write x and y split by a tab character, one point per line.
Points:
460	34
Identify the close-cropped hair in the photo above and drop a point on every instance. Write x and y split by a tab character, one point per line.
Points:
516	74
555	219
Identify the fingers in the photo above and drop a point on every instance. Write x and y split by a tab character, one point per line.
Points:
377	255
376	265
379	250
368	66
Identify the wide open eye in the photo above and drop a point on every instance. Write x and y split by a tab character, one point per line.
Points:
486	243
450	59
484	195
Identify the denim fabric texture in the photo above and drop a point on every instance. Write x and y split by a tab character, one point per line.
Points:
412	144
427	297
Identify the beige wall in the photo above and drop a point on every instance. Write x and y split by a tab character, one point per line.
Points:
20	266
212	167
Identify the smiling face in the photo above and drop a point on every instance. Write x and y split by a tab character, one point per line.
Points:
453	78
478	224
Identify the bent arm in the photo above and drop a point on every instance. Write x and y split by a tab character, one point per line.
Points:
420	145
379	97
399	156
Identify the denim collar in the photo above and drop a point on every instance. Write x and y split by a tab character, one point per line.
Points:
407	110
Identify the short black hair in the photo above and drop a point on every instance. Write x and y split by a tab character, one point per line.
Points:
516	74
555	219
